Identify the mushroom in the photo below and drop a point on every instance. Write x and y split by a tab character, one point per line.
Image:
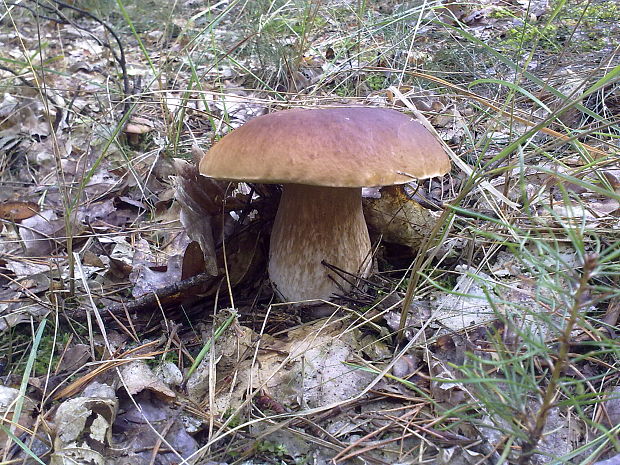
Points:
323	158
135	129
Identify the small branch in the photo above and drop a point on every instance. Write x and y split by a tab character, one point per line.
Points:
168	296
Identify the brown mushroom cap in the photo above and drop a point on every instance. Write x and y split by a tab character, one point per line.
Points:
338	147
136	128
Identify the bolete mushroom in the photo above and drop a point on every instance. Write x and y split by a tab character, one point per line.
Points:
136	128
323	158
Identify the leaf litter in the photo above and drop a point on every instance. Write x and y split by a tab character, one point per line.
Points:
141	221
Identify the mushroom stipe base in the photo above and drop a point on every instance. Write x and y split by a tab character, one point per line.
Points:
316	224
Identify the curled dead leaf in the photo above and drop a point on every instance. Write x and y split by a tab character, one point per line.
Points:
193	261
83	426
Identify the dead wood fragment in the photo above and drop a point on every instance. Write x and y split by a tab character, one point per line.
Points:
168	296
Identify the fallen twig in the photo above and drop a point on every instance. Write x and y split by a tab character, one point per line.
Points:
168	296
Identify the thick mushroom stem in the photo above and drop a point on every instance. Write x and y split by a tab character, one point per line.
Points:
316	224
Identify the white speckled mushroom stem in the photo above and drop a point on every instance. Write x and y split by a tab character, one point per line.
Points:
314	224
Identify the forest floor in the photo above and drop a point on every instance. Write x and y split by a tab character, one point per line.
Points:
137	322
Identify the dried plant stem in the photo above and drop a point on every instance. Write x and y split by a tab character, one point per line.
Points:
536	430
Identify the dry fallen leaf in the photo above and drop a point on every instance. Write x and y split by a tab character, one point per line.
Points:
147	274
44	233
83	426
612	408
200	198
137	376
144	422
17	211
307	368
467	305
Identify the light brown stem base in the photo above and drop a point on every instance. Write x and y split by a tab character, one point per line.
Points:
315	224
